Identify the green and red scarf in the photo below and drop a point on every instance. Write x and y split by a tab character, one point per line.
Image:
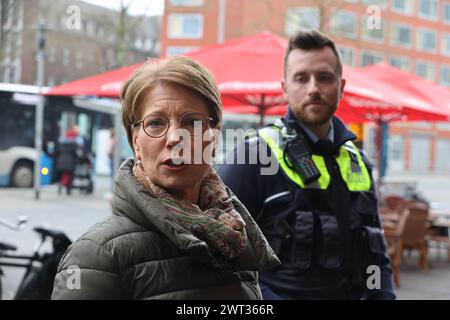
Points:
214	220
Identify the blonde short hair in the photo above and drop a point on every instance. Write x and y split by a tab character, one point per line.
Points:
180	70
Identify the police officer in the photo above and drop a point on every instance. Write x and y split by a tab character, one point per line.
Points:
319	209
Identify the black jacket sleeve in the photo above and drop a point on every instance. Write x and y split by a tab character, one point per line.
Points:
244	180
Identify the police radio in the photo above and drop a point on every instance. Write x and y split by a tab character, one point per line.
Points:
300	156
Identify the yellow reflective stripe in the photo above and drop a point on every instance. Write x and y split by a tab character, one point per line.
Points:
294	176
356	181
324	180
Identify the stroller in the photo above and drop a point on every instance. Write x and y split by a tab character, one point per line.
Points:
82	175
74	168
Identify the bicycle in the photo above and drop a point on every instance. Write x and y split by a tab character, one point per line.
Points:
40	268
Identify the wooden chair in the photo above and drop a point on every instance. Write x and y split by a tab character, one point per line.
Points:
393	233
438	235
415	231
393	204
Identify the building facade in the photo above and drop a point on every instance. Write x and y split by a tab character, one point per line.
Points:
82	40
413	35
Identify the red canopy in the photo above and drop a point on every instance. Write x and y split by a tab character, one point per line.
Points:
389	102
102	85
248	71
411	87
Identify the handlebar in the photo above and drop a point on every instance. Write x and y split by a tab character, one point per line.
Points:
19	226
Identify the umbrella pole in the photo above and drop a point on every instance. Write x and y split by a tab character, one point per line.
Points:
261	110
381	148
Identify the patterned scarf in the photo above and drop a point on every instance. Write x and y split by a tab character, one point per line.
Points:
214	220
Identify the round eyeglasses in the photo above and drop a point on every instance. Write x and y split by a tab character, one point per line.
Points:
156	125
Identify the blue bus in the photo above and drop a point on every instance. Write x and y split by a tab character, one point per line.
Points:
17	130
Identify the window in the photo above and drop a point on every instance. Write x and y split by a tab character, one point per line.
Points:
185	26
187	3
148	44
344	23
442	155
305	17
111	37
426	70
178	50
445	76
428	9
380	3
420	153
100	32
445	44
371	57
91	27
66	57
446	13
138	43
52	55
401	35
400	62
426	40
347	55
84	26
375	34
79	62
403	6
396	153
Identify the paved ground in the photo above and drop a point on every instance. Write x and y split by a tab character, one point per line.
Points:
76	213
73	214
418	284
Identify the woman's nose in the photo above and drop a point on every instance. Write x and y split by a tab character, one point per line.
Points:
174	134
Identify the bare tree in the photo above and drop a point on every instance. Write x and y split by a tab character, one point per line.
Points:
123	27
6	8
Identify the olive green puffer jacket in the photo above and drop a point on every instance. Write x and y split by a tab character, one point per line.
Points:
137	253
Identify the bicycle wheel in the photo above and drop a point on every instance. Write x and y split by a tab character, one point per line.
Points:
31	287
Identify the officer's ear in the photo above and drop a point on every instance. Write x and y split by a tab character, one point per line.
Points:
343	81
283	87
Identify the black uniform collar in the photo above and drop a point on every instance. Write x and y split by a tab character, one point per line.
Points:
341	133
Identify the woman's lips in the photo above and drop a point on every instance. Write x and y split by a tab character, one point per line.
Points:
173	165
173	168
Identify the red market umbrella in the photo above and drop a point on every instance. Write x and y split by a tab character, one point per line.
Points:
248	71
367	98
412	86
431	101
102	85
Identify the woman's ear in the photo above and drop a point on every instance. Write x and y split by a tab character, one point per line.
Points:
136	147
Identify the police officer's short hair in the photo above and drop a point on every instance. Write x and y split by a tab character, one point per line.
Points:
311	39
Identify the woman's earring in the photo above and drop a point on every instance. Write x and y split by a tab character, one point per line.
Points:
139	162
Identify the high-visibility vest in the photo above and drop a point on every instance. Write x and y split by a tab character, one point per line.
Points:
352	168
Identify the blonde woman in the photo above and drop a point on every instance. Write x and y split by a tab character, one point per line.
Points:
176	232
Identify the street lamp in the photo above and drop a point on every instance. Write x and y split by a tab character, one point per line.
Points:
41	28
